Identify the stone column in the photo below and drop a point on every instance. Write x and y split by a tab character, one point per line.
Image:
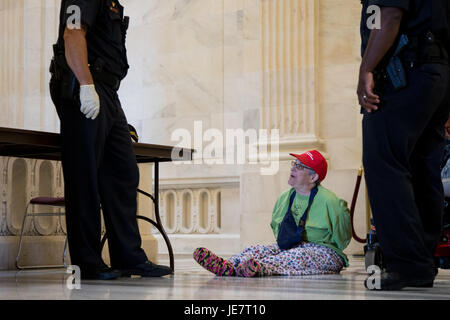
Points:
11	62
289	36
27	31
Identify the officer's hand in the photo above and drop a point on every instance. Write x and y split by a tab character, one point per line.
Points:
367	99
90	101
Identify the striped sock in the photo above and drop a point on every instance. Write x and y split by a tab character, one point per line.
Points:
213	263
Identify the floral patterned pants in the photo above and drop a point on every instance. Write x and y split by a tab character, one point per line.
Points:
306	259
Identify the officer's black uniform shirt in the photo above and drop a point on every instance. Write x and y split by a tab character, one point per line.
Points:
106	32
421	16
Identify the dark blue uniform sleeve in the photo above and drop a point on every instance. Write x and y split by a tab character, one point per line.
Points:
402	4
88	9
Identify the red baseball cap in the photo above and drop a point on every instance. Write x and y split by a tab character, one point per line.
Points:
314	160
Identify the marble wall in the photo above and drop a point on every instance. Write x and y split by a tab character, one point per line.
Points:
251	64
289	65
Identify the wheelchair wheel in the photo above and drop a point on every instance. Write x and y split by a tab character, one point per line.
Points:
442	262
374	257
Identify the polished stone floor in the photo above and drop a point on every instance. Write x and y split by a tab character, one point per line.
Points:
196	284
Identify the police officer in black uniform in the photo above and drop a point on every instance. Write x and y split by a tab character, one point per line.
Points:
405	97
98	159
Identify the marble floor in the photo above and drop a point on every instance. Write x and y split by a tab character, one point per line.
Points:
194	283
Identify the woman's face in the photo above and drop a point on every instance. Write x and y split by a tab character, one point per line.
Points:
300	176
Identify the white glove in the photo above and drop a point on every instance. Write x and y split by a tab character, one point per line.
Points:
90	102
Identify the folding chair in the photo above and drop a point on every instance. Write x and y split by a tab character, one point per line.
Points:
41	201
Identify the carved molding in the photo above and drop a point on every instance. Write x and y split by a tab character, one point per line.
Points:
190	211
23	179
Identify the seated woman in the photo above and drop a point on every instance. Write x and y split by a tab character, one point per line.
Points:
311	248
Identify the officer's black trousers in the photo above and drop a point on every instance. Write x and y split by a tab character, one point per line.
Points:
403	145
99	167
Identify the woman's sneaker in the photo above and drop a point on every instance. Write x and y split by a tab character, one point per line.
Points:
213	263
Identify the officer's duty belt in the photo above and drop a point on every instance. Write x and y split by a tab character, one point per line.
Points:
426	49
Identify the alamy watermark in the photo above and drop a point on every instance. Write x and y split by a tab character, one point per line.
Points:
374	20
235	147
74	280
74	17
373	282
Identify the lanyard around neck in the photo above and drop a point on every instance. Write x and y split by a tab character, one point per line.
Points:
312	195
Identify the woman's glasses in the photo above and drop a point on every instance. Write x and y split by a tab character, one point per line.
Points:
299	166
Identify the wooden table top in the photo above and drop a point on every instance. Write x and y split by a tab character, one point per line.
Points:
30	144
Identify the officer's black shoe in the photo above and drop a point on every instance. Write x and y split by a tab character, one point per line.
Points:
104	273
390	281
147	269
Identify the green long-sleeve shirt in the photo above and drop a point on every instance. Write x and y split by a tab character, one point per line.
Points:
328	221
